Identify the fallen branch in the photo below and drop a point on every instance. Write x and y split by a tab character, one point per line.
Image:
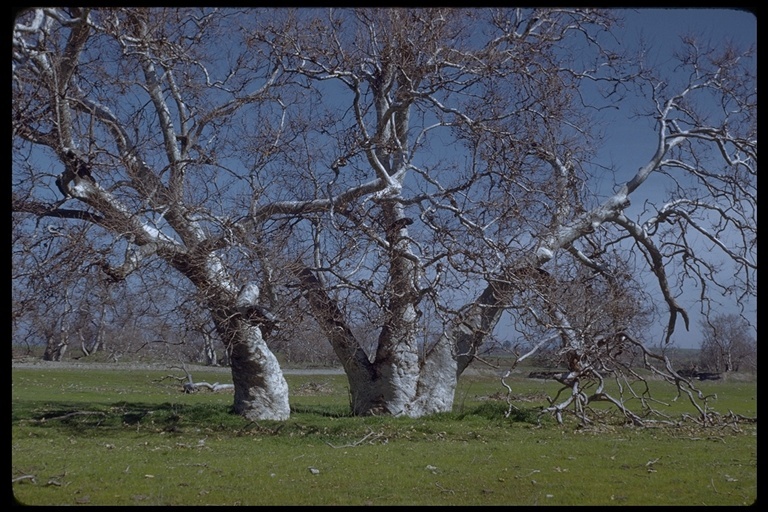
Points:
190	386
74	413
514	365
361	441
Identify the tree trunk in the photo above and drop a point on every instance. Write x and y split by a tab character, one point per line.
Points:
261	392
397	382
392	388
101	343
209	352
416	387
438	378
54	350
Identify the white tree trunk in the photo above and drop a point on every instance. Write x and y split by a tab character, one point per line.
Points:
437	382
261	392
396	390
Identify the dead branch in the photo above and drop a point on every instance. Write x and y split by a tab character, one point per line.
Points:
74	413
194	386
357	443
513	366
190	386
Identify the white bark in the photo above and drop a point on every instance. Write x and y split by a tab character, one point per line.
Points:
192	387
437	382
261	392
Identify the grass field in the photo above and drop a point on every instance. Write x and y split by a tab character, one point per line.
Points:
105	437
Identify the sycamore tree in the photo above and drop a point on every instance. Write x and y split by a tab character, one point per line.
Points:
415	171
152	129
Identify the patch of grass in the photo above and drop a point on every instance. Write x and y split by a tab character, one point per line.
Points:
128	438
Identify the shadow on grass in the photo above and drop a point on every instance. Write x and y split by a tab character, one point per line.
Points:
325	411
72	418
489	410
501	411
171	417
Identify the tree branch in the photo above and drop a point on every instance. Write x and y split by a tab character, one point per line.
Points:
657	267
331	319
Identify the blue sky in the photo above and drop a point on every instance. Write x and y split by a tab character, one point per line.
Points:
662	24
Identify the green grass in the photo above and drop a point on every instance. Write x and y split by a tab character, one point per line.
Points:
142	442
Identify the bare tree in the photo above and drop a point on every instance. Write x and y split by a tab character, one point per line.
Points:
727	343
50	274
414	170
161	121
480	123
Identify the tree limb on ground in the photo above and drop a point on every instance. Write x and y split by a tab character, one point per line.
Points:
190	386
